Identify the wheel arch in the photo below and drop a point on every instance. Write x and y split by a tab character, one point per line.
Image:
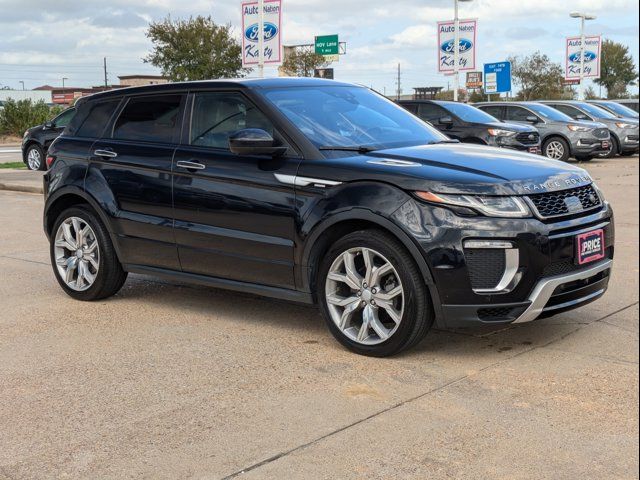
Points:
326	233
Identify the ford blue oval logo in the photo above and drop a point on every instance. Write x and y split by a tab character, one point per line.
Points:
465	46
270	31
588	57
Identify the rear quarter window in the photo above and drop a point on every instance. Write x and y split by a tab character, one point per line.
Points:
92	118
153	118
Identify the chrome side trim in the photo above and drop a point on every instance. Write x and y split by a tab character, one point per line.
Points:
305	181
510	277
545	288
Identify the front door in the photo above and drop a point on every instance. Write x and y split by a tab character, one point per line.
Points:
135	160
233	218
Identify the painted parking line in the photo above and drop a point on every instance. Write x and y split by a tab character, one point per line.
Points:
12	150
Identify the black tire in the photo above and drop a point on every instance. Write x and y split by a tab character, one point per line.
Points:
110	276
615	149
34	148
562	143
417	316
584	159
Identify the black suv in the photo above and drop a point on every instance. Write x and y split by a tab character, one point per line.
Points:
469	124
36	140
321	192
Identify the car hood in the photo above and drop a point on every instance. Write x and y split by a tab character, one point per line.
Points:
456	168
588	123
514	127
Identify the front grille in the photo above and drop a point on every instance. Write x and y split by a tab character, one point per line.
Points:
632	138
556	204
495	314
532	138
602	133
567	267
486	266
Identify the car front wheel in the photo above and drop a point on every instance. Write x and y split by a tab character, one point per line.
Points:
83	258
556	148
372	295
35	158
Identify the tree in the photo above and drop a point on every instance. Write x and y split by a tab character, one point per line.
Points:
538	77
617	70
590	93
300	63
194	49
17	116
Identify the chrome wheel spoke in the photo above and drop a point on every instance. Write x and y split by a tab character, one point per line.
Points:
367	315
341	301
354	280
347	313
367	257
76	253
380	272
376	324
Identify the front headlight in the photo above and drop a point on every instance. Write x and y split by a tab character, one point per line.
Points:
626	125
498	132
511	207
579	128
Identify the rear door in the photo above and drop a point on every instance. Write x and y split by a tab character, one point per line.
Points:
434	113
234	216
135	159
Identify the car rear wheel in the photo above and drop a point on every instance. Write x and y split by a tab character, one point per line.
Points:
556	148
83	258
35	158
372	295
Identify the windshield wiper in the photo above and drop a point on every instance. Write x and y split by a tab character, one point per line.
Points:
443	141
346	148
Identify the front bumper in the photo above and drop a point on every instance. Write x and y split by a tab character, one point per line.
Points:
512	143
590	146
630	143
548	283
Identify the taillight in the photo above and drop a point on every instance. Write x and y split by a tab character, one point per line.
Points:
50	160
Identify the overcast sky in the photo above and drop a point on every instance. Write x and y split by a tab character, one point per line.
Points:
43	41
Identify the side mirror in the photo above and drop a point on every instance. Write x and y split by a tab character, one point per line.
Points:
254	141
582	116
446	120
49	124
532	119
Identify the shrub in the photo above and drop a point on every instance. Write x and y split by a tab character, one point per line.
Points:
17	116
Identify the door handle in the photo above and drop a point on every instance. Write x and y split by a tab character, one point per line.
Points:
190	165
105	153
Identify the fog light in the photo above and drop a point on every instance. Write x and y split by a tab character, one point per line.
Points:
493	265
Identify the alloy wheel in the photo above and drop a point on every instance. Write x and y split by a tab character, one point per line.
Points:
77	254
34	159
555	150
364	295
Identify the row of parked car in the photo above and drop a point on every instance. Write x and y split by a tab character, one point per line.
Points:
556	129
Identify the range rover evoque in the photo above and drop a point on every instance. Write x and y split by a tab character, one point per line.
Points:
320	192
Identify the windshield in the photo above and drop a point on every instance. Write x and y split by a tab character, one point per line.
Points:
345	116
620	109
549	113
596	112
469	113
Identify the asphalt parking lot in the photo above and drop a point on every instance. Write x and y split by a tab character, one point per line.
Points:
176	381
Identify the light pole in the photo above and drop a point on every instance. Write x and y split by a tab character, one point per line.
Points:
63	79
22	83
456	48
583	17
261	38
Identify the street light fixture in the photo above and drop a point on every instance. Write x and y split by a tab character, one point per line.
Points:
583	17
22	82
63	79
456	49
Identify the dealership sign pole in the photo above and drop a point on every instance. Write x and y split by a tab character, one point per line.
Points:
261	38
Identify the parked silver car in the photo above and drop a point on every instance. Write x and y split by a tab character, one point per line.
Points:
562	137
624	131
618	109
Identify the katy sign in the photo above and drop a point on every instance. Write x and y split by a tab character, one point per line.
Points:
573	60
272	32
468	31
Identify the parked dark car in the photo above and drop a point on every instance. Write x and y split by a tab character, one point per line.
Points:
624	131
618	109
36	140
562	137
322	192
470	125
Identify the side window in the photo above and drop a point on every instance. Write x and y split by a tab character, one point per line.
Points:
93	120
64	118
518	114
216	116
152	118
411	107
571	111
431	112
493	110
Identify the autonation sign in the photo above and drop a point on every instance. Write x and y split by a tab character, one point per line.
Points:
272	32
592	46
468	32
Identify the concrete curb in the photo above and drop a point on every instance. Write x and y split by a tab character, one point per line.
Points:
21	188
